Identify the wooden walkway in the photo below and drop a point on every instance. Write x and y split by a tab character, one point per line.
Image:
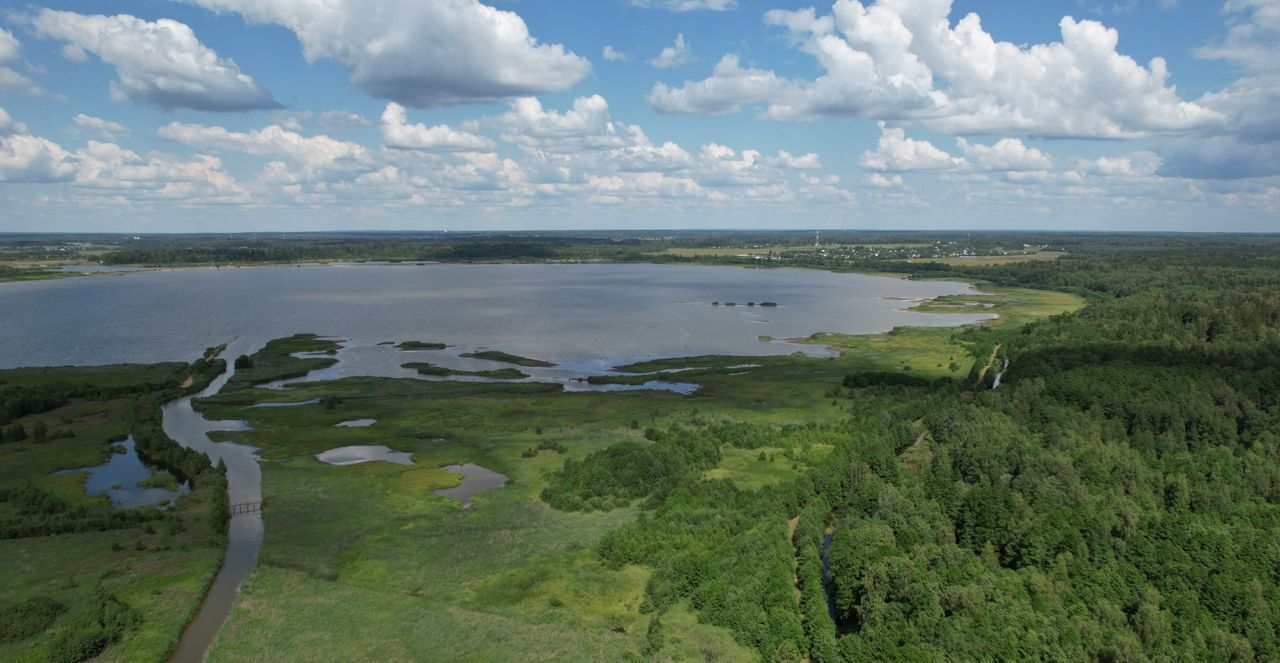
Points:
246	507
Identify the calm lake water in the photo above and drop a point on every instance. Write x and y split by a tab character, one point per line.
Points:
581	314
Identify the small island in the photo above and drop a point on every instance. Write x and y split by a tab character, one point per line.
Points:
425	368
507	358
420	345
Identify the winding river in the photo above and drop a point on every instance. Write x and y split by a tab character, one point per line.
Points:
244	534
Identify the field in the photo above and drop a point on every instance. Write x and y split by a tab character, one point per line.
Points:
406	571
160	567
977	261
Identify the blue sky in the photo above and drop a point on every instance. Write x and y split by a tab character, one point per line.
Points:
235	115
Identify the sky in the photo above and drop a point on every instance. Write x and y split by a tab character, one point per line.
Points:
279	115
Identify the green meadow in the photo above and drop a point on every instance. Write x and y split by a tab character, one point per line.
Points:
367	558
158	564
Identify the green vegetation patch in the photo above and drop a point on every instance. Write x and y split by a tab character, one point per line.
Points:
82	579
426	368
420	345
507	358
275	361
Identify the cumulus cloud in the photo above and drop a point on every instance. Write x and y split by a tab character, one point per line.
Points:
905	61
422	53
614	55
158	63
398	133
1008	154
687	5
98	126
729	88
807	161
318	156
1248	144
10	126
586	125
10	79
879	181
898	154
26	158
108	166
674	55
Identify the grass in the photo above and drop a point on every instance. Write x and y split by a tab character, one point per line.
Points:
932	351
994	260
161	569
9	274
420	345
426	368
139	376
275	361
744	467
367	560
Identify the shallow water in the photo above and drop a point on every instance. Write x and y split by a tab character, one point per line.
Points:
244	533
475	480
290	404
118	479
356	423
354	455
588	315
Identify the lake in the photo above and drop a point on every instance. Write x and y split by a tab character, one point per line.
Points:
586	315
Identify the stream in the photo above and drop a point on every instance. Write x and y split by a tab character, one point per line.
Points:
244	533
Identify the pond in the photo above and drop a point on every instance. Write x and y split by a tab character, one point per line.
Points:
354	455
121	479
475	480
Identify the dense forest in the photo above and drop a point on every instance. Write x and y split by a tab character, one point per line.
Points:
1116	498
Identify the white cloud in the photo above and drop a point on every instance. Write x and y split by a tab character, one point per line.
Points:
1138	164
10	79
1007	154
807	161
729	88
1249	142
879	181
674	55
158	63
422	53
687	5
98	126
10	126
898	154
614	55
26	158
399	134
318	156
586	125
905	61
107	166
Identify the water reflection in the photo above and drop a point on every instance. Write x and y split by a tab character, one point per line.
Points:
356	454
475	480
120	477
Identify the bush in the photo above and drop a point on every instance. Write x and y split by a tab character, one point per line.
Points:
28	618
94	629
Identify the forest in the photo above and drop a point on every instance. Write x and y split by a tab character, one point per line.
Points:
1116	498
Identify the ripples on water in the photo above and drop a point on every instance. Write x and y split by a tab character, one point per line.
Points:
596	315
